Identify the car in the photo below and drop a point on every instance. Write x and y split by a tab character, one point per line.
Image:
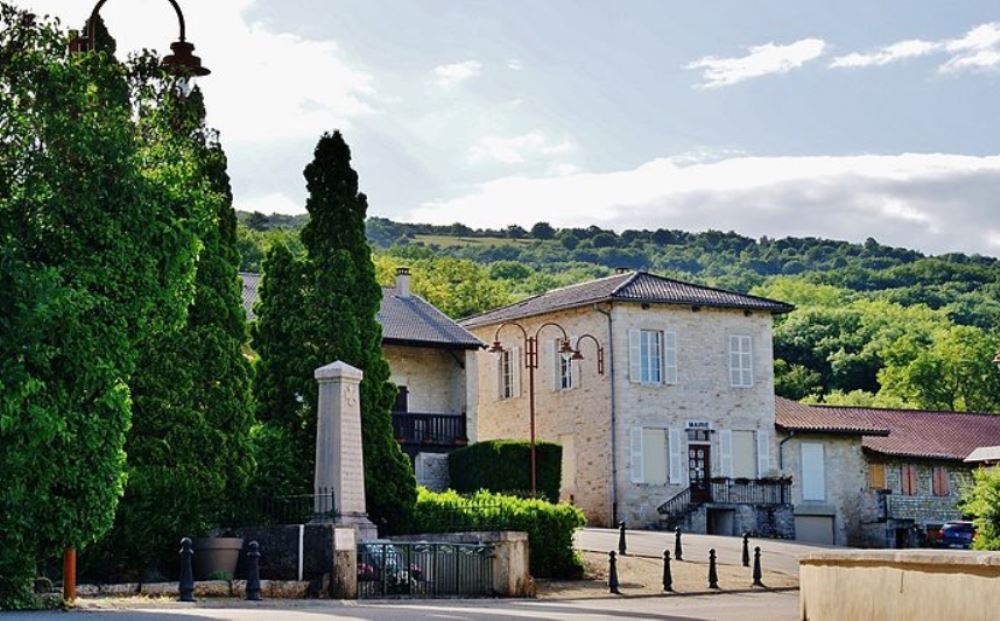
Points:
957	534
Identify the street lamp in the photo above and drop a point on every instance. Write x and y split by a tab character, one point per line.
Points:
577	355
181	64
566	350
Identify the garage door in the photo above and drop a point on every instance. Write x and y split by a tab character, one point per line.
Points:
814	528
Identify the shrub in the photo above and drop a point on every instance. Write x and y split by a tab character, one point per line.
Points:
550	527
505	466
982	500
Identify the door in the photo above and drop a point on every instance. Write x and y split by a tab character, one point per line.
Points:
814	529
699	464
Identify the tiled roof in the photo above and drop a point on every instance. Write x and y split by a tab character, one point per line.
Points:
794	416
912	433
404	320
626	287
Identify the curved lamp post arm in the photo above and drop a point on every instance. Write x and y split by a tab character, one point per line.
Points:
497	348
600	351
100	4
554	325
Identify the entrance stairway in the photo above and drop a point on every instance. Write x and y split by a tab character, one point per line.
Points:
725	492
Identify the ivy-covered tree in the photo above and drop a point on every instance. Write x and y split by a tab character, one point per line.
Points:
333	319
97	254
189	451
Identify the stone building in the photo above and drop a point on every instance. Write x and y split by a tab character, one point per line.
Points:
432	360
878	477
678	430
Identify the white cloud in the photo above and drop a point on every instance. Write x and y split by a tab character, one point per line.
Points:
934	202
517	149
450	75
978	49
274	202
265	84
761	60
514	64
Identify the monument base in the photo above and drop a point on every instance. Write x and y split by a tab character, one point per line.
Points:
367	531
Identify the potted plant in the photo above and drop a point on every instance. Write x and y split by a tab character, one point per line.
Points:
216	556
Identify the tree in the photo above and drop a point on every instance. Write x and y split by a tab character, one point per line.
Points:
98	241
189	449
456	287
543	230
336	321
982	500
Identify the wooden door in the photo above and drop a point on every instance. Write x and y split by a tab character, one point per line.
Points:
699	466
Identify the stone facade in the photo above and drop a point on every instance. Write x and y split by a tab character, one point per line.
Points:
702	394
845	480
431	470
434	376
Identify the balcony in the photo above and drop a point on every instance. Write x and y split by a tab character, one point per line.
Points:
725	491
429	432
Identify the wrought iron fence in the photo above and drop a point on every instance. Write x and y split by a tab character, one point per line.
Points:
429	429
751	491
266	510
398	569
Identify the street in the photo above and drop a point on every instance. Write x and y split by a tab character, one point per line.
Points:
776	554
736	606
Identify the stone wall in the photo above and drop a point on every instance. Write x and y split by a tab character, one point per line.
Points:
915	585
432	470
924	508
846	480
434	376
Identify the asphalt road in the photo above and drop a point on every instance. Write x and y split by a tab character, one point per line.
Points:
776	554
725	607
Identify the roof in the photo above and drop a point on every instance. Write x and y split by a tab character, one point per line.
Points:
794	416
641	287
409	320
926	434
984	453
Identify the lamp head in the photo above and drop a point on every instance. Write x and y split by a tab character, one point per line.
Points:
183	63
565	348
496	348
577	355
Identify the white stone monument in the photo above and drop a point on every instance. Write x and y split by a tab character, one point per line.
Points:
339	458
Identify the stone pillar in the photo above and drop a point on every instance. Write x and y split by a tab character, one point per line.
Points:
339	458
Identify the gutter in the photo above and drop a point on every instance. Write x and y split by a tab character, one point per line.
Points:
614	451
781	450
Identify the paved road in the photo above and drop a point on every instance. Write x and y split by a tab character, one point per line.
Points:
777	555
726	607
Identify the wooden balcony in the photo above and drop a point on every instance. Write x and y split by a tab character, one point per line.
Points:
429	432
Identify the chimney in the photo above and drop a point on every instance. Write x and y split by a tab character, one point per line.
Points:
622	270
403	282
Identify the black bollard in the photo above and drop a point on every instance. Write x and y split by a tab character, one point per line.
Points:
186	584
613	573
621	537
668	579
757	574
678	551
746	549
253	572
713	574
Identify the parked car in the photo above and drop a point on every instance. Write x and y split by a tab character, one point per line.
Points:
958	534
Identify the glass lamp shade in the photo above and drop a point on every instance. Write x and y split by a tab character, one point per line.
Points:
183	62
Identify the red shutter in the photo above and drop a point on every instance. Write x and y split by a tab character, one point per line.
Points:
908	479
942	486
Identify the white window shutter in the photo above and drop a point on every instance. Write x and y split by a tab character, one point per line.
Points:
515	371
726	452
556	367
763	452
634	356
677	457
748	362
669	357
497	375
636	455
574	367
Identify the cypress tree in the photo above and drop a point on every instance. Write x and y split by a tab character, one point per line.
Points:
336	298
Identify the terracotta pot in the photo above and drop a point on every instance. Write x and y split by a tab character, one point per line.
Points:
215	555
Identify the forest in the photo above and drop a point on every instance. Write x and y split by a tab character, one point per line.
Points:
873	325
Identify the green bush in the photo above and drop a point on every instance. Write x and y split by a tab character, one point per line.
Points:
505	466
550	527
982	501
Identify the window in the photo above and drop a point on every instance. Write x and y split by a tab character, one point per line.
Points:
876	476
507	374
940	482
740	361
402	403
744	455
652	357
908	481
649	456
813	472
562	367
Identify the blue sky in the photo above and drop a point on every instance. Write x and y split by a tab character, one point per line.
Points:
836	119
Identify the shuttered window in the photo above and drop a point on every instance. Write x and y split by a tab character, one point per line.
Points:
740	361
908	480
876	476
941	483
652	357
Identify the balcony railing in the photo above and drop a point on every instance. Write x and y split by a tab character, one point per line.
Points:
440	430
750	491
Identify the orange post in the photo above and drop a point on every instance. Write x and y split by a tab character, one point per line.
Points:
69	575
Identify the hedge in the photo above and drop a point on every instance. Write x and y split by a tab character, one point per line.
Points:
550	527
505	466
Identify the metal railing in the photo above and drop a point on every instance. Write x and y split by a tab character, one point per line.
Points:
429	429
677	504
398	569
750	491
264	510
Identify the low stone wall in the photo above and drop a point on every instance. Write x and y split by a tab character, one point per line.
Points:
916	585
511	574
432	470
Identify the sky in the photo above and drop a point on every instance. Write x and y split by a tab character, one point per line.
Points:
844	120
